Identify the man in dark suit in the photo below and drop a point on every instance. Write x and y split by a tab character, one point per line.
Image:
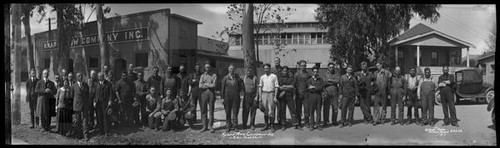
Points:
92	83
103	101
46	90
31	97
81	105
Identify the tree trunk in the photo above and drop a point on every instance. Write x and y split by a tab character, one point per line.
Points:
15	59
248	40
100	30
27	32
7	50
62	39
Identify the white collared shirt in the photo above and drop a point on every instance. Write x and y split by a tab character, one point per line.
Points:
268	82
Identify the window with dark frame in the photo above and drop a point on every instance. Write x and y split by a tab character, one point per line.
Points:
46	63
434	58
492	68
213	63
141	59
93	62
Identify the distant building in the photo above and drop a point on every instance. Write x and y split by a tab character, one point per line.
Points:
304	41
422	46
145	39
487	63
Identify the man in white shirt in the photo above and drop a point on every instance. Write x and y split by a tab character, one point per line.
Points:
268	88
411	96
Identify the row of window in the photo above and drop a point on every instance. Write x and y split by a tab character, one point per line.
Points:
290	25
284	38
141	60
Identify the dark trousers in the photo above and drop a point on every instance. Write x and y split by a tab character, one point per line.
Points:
144	114
301	101
195	96
151	120
427	99
207	103
364	104
86	116
287	100
80	124
102	118
413	103
332	99
314	107
135	115
448	103
232	108
45	115
347	105
397	102
380	100
126	110
249	107
32	103
92	116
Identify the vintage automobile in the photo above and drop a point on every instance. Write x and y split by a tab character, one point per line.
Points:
470	86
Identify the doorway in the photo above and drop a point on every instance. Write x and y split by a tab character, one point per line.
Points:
120	66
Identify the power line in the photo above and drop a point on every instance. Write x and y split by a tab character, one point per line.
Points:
464	26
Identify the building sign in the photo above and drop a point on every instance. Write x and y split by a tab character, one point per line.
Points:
110	37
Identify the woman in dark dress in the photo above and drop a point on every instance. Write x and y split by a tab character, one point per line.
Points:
64	111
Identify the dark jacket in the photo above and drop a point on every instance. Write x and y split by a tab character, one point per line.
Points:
41	86
318	83
184	78
104	93
31	94
81	98
231	87
348	86
126	90
448	77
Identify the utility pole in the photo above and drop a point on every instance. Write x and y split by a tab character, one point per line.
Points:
7	50
248	40
15	58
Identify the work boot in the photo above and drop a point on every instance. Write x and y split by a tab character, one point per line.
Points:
272	124
228	126
252	127
235	125
204	122
210	123
455	124
266	119
445	123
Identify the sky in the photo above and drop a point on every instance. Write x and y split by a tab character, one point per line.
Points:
470	23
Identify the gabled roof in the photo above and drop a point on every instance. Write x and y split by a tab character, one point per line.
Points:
420	30
487	55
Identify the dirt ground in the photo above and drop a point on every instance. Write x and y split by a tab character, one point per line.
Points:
475	129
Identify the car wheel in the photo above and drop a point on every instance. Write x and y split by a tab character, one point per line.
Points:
437	99
490	95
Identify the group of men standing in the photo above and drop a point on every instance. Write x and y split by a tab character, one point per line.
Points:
307	95
100	102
